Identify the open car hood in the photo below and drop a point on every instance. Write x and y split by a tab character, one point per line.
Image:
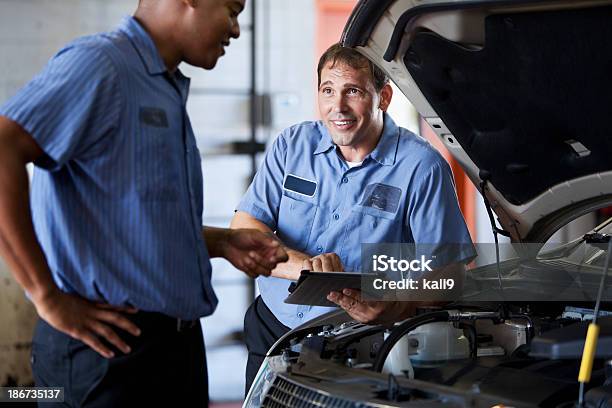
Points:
520	92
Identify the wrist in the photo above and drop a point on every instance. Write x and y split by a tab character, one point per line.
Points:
292	269
43	296
224	242
217	241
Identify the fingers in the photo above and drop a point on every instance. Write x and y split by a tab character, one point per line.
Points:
269	240
317	264
329	262
350	301
349	304
267	263
123	309
307	265
270	245
337	263
269	260
259	270
256	253
248	268
281	254
344	300
118	320
252	268
95	343
273	238
253	264
110	336
98	324
88	322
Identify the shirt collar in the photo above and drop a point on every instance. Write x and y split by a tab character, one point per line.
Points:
144	45
385	151
326	142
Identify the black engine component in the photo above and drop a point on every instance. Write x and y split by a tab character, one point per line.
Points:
568	342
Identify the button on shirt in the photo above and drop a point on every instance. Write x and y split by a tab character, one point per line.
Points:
402	192
117	199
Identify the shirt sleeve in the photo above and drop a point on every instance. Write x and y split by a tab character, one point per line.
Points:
262	199
435	220
70	106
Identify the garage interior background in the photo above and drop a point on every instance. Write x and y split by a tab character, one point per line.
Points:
261	86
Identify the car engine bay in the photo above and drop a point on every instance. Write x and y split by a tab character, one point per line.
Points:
467	355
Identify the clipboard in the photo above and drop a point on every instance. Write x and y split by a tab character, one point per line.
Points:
312	288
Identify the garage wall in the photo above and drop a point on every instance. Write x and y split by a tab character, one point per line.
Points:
31	31
17	319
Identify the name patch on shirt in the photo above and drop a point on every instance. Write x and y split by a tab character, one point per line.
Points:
300	185
154	117
382	197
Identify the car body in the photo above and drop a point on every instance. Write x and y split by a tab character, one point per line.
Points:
519	92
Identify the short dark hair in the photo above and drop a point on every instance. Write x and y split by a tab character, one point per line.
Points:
339	54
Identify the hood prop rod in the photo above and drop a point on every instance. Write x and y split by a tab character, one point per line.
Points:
484	177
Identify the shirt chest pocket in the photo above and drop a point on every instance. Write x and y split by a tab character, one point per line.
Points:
296	217
157	164
367	225
370	225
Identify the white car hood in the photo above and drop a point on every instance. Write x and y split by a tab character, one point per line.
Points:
520	92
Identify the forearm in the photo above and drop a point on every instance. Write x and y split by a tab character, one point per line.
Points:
18	243
286	270
292	268
216	239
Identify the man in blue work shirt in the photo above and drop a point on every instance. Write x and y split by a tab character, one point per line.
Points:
326	187
114	255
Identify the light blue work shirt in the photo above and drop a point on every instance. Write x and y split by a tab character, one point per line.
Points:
402	192
117	200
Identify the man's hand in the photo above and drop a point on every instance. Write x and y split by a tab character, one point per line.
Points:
371	312
329	262
87	321
254	252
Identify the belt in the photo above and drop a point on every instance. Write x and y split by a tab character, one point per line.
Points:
184	325
153	321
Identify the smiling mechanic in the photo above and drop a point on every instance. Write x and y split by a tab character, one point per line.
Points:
116	223
326	187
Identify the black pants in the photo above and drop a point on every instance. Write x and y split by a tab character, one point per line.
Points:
166	367
261	330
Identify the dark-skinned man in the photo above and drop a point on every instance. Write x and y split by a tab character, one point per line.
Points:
113	253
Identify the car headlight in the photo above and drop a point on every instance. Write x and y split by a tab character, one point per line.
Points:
264	379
